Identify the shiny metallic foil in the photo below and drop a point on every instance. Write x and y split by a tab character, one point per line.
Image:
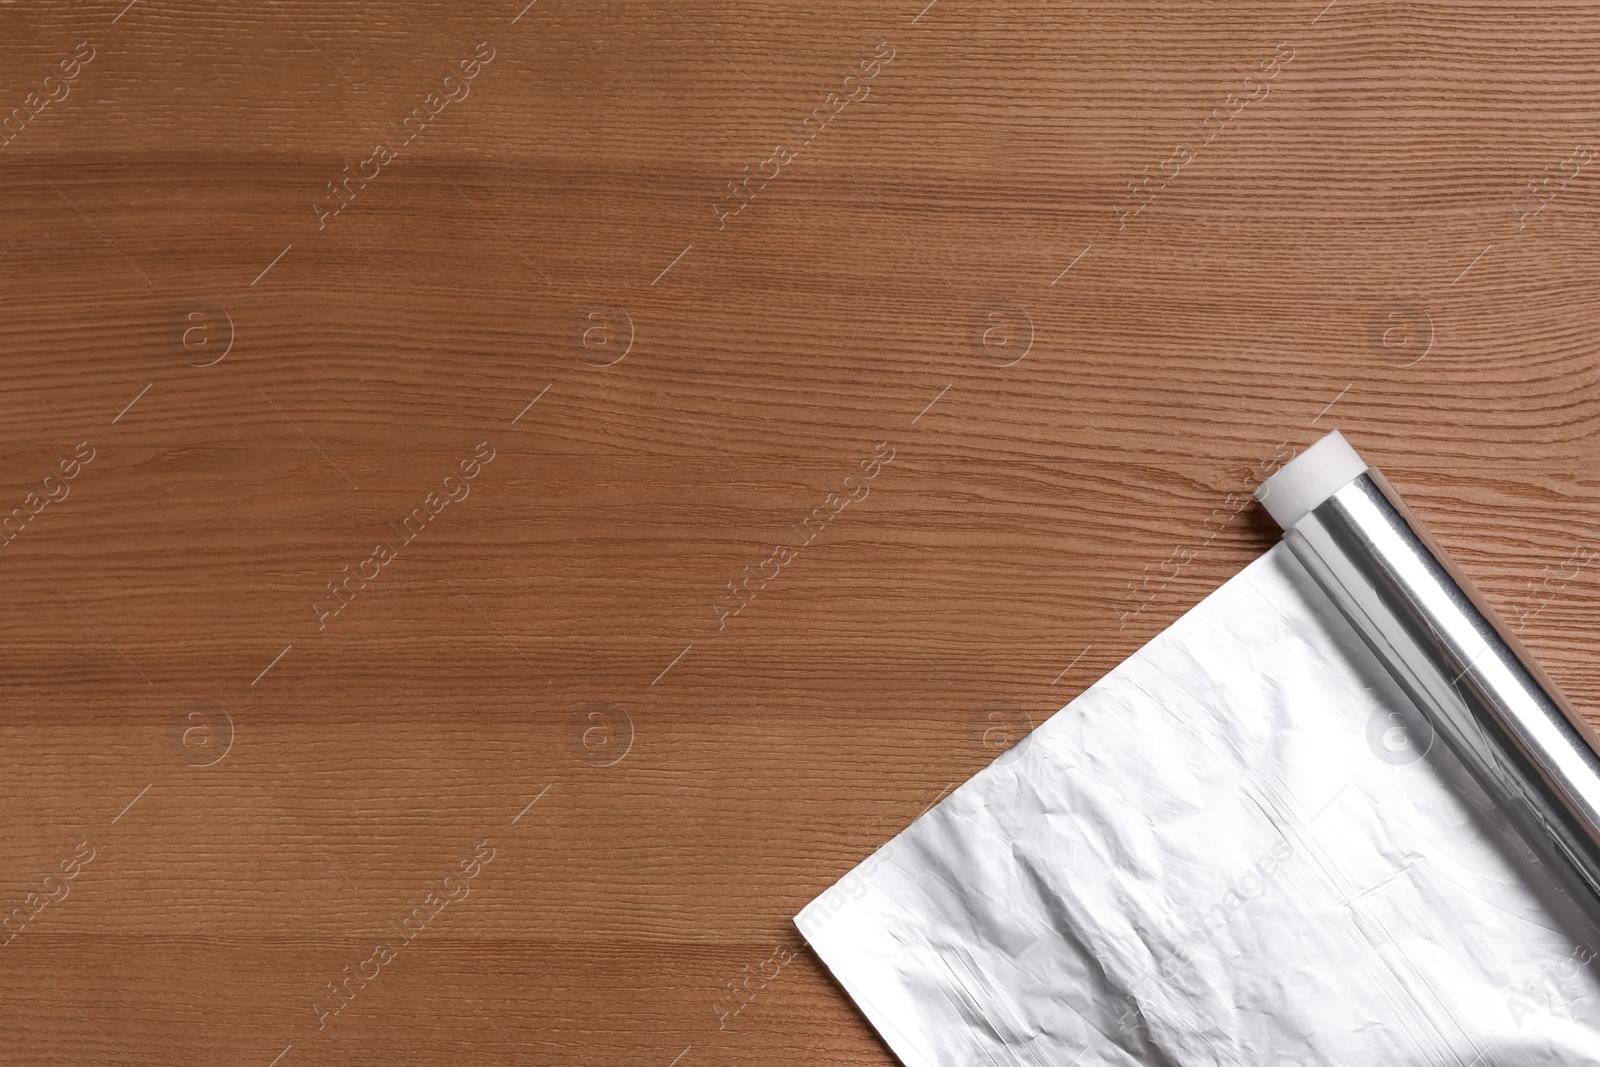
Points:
1305	825
1481	690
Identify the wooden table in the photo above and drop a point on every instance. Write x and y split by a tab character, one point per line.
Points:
504	505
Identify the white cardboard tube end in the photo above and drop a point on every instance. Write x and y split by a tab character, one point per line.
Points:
1309	479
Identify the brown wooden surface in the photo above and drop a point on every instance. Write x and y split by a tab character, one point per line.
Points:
1355	247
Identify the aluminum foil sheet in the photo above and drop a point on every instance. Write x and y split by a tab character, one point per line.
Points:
1241	846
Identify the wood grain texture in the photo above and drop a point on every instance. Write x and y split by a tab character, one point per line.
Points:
1088	270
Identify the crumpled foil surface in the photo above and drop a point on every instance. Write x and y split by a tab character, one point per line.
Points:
1239	847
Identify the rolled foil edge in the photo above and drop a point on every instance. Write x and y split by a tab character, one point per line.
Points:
1480	689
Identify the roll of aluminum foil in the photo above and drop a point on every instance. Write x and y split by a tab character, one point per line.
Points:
1243	845
1481	690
